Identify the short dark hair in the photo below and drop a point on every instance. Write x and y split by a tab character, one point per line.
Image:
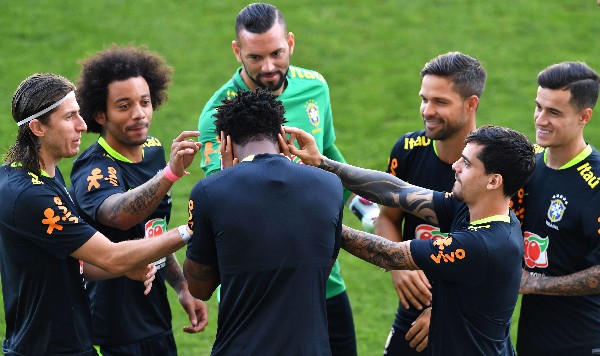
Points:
506	152
250	115
116	64
258	18
466	73
577	77
34	94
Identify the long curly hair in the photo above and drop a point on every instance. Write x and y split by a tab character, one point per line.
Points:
118	63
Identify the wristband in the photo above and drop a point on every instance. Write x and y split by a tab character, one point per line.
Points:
170	175
183	232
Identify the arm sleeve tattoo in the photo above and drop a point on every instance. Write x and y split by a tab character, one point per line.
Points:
385	189
378	250
584	282
174	273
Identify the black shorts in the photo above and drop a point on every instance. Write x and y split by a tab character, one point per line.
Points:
342	338
397	344
161	345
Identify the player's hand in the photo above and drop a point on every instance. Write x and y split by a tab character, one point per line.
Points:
144	274
308	151
226	150
418	334
527	282
412	287
196	310
183	151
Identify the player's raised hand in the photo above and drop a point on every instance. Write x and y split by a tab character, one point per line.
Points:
308	151
183	151
226	149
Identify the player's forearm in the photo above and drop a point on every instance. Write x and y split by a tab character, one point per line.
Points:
127	255
125	210
93	273
202	279
585	282
377	250
387	227
174	274
384	188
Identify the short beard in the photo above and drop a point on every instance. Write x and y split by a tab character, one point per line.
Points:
275	87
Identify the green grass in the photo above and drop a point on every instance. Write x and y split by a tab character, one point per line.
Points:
370	52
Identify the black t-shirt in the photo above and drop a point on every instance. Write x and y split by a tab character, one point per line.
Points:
273	227
476	273
46	308
122	313
414	160
562	236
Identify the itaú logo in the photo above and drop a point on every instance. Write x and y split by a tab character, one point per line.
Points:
451	257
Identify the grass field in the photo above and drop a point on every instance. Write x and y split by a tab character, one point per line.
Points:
369	52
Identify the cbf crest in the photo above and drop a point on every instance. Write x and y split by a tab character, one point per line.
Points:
556	210
312	109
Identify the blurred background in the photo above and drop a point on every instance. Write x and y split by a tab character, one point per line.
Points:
370	53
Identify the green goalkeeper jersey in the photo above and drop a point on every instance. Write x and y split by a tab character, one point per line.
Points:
307	106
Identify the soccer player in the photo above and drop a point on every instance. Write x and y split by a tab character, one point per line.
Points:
263	46
42	236
254	235
451	86
119	188
476	270
560	308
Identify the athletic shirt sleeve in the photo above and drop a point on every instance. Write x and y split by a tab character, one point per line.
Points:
92	181
459	257
201	246
50	220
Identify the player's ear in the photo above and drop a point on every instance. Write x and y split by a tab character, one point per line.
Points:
237	50
472	103
100	118
495	181
37	128
585	116
291	42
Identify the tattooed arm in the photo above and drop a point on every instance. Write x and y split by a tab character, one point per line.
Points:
584	282
195	308
377	250
124	210
379	187
202	279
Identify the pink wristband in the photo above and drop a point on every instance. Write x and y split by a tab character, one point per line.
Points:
170	175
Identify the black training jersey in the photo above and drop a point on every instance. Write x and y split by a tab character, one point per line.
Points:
274	257
561	229
45	305
414	160
122	313
476	273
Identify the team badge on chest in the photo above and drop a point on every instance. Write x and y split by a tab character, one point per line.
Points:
313	112
556	210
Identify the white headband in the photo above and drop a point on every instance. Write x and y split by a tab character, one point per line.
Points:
24	121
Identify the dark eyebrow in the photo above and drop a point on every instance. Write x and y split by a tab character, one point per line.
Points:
128	98
465	159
